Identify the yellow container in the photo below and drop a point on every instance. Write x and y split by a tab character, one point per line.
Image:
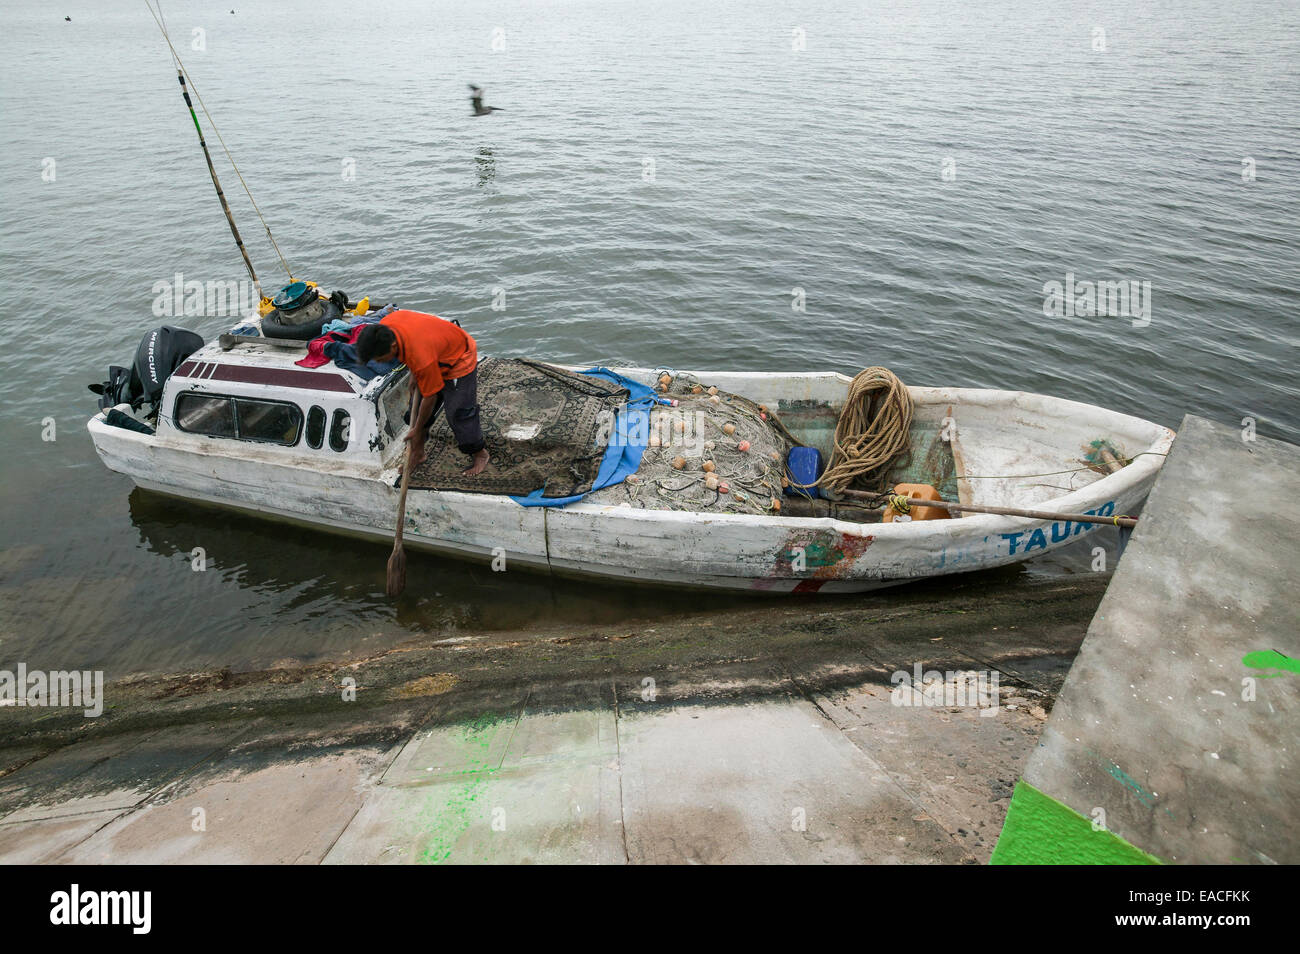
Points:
917	492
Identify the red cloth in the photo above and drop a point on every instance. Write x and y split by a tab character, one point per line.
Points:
316	347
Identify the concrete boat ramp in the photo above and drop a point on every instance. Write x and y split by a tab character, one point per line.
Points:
761	736
1177	736
766	735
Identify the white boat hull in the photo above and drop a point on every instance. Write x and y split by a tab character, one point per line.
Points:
999	434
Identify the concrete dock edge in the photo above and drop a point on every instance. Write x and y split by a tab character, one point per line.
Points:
1175	734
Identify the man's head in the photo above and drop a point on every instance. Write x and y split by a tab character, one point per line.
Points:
376	343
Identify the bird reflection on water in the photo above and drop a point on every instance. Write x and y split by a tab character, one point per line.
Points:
485	166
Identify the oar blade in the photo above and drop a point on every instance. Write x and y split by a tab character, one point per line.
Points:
397	571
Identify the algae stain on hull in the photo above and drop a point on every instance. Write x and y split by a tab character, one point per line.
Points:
827	555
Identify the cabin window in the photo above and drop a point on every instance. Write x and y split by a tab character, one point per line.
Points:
205	414
219	415
316	427
272	422
393	405
340	430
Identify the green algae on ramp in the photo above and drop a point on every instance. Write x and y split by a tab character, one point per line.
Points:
549	793
446	816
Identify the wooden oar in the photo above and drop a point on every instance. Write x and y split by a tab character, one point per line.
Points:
1005	511
397	561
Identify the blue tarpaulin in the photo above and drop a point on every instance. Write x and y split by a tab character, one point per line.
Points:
627	441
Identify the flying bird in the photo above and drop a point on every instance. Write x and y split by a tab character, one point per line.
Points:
476	99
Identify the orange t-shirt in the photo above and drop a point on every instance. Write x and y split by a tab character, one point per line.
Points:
434	349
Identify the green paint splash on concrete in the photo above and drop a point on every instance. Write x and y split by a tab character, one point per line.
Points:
1271	659
1039	830
452	809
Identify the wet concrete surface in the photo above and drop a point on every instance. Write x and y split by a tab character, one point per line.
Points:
758	735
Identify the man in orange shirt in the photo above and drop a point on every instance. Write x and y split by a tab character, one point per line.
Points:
443	361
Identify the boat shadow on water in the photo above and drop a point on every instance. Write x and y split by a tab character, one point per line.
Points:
308	594
307	566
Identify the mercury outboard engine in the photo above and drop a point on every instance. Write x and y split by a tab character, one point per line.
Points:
161	352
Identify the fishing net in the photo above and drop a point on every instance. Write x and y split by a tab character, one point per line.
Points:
715	452
545	427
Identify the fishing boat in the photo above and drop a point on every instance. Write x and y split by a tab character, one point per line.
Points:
241	424
721	479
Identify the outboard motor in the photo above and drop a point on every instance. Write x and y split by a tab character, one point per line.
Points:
161	352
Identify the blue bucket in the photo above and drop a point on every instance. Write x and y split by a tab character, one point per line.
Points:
805	465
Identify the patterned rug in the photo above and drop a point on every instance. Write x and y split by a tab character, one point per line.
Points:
544	427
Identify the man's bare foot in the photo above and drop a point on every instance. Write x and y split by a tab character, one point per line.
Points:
480	462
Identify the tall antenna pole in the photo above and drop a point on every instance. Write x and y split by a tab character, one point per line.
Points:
225	206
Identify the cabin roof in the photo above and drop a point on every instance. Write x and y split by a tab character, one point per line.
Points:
267	366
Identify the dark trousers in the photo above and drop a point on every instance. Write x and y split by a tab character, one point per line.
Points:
459	400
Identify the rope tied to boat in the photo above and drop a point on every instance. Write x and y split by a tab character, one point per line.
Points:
872	432
899	504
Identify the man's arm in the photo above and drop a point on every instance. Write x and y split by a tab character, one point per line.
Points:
415	435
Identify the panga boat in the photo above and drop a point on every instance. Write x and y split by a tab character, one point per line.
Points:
695	495
239	423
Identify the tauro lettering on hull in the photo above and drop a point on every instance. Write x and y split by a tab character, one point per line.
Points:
1060	531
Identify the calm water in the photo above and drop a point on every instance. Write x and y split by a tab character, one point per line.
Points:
773	168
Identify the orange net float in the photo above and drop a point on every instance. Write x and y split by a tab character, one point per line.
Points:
917	492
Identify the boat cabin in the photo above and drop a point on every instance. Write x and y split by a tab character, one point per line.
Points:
253	392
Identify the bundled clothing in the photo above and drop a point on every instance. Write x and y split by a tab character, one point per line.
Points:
340	347
344	354
338	344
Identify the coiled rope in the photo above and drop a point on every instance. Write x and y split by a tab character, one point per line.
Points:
872	432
